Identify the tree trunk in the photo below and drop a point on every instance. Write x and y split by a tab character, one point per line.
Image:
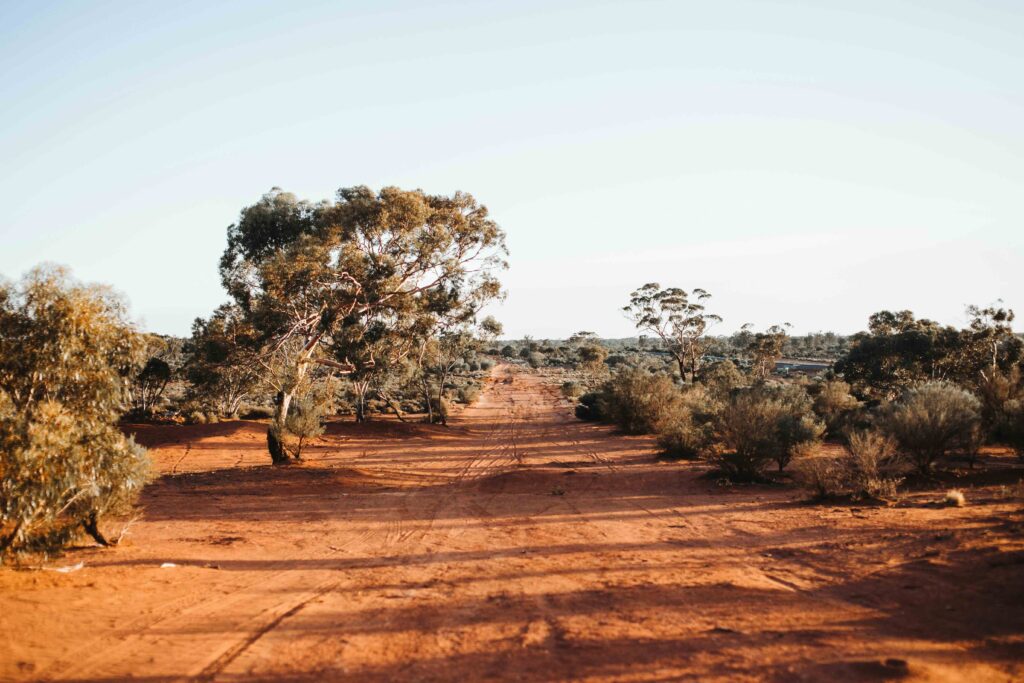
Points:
91	524
429	400
276	430
440	399
360	388
394	406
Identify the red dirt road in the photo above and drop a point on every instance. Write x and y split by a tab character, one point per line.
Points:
518	544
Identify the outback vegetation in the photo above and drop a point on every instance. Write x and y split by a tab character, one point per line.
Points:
355	319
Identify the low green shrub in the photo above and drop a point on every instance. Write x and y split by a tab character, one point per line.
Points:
639	402
932	421
761	425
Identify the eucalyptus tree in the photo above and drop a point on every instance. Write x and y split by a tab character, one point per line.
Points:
678	318
67	356
989	344
304	272
450	341
222	366
765	349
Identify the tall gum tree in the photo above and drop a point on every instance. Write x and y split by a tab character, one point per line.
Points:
678	318
302	272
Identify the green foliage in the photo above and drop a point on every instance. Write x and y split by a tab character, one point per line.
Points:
688	431
721	379
305	275
677	318
765	423
1000	392
639	402
765	350
835	405
933	420
223	366
305	421
149	385
67	356
900	350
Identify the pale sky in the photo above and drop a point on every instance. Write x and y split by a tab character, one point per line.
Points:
809	162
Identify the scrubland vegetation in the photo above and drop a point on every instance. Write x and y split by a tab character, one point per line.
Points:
371	304
903	399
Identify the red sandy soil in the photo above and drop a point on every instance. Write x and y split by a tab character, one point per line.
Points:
517	544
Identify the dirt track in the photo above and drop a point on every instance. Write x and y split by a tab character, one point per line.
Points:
517	544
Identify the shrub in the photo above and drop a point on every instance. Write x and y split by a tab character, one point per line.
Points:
534	358
65	353
874	464
486	364
572	389
688	431
257	413
933	420
825	476
1014	411
684	437
1001	394
763	424
305	421
835	405
592	358
589	407
954	498
440	409
469	393
722	378
638	402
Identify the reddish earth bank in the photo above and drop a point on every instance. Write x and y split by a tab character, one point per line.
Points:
517	544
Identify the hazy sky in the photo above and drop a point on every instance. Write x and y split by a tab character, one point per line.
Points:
809	162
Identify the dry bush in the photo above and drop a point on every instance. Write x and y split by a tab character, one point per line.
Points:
954	498
764	424
932	421
639	402
825	476
874	464
572	389
688	432
469	393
